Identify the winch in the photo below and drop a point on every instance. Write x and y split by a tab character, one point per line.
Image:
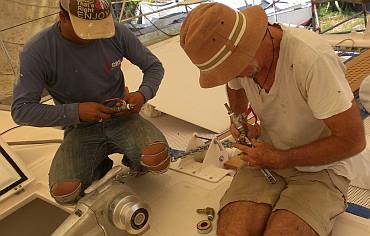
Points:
108	208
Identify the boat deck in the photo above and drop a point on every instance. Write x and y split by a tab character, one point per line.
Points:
173	196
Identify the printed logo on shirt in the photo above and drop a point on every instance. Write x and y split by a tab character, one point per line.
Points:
108	66
116	63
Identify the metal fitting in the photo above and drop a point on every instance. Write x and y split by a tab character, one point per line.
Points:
123	107
204	226
209	211
120	105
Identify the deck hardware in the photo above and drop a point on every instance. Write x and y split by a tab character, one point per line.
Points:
209	211
237	120
204	226
120	105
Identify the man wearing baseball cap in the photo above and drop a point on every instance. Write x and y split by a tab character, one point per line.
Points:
78	61
310	133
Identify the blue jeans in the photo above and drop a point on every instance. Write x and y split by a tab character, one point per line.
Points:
83	155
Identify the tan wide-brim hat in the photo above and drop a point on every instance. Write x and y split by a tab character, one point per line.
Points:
220	41
90	20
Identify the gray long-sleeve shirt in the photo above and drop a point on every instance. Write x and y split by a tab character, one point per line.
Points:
74	73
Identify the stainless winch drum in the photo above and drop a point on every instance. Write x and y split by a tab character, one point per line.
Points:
127	213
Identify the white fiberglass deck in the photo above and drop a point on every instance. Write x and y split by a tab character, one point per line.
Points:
173	197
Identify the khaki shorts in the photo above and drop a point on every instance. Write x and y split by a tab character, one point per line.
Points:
315	197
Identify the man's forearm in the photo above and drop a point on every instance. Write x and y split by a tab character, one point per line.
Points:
151	80
323	151
42	115
347	139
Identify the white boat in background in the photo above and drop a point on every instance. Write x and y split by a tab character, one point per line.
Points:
289	12
168	15
294	12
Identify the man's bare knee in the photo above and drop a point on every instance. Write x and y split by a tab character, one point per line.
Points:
66	192
283	222
155	157
243	218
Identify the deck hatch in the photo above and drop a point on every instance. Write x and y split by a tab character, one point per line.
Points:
12	171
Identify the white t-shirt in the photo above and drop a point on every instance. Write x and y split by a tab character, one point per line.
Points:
364	93
309	86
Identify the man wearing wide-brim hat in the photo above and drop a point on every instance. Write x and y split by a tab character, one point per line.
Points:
310	135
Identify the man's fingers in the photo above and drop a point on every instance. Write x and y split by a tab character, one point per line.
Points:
246	124
123	113
248	160
241	147
254	142
105	109
103	116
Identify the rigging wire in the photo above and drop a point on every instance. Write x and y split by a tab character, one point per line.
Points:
23	23
20	44
159	29
6	131
17	126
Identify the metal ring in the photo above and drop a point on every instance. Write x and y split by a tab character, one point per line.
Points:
131	106
204	226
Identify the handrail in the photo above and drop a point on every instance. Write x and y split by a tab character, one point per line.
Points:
177	4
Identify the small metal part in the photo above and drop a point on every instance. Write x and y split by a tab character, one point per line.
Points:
78	213
124	106
269	176
204	226
203	148
243	139
120	105
128	213
209	211
237	121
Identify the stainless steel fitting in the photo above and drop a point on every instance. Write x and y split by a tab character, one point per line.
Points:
209	211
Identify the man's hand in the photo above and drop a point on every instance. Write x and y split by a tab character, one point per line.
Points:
136	101
262	155
92	111
253	131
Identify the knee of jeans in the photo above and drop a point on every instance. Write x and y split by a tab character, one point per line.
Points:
66	192
155	157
